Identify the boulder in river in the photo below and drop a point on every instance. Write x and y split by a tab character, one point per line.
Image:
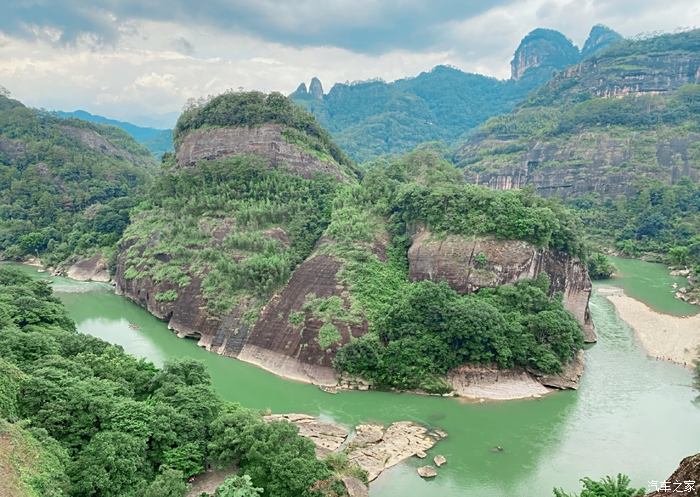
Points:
374	448
427	472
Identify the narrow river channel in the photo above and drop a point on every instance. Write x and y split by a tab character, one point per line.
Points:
632	414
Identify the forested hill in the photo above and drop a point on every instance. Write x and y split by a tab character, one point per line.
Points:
65	185
158	141
371	118
618	135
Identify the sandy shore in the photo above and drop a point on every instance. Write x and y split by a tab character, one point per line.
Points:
663	336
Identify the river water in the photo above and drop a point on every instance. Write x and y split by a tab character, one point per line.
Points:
632	414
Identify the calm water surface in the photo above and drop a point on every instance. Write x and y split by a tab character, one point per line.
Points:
632	414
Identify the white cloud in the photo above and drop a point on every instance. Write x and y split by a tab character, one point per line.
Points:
154	67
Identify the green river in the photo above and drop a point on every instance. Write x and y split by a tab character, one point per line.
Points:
632	414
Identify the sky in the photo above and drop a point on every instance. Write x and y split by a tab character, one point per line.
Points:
141	60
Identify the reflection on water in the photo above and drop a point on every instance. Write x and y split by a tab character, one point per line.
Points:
632	414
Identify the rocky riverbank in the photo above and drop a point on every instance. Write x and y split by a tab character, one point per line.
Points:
373	447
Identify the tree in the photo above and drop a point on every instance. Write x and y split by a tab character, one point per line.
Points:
607	487
599	267
168	483
112	464
238	486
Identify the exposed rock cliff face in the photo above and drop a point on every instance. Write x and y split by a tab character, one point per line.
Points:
316	88
543	48
89	269
294	350
599	39
557	143
589	162
453	259
266	141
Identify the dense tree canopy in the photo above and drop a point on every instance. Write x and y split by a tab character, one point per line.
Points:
110	425
66	186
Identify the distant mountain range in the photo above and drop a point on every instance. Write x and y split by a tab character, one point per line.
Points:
372	118
157	141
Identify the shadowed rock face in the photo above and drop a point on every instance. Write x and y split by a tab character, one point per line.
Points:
453	259
293	350
265	141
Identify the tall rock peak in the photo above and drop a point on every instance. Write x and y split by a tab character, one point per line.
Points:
301	90
598	39
543	48
316	88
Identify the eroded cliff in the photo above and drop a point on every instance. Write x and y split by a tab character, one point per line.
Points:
468	264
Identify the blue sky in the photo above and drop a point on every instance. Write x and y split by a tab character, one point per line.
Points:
140	60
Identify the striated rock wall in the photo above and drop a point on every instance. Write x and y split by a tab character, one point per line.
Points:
452	259
266	141
588	162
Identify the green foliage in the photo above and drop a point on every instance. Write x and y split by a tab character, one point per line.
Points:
168	483
234	224
473	210
254	109
110	425
599	267
658	219
272	454
238	486
167	296
374	118
430	329
328	335
607	487
33	464
66	186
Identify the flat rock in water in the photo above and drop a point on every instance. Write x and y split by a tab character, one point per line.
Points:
439	460
374	448
327	436
427	472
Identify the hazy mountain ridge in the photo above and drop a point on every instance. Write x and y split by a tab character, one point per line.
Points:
158	141
372	118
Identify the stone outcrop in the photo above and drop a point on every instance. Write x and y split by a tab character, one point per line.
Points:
316	88
293	350
543	48
265	141
327	437
372	447
89	269
95	141
426	472
490	382
454	259
11	149
599	39
688	471
589	162
355	487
